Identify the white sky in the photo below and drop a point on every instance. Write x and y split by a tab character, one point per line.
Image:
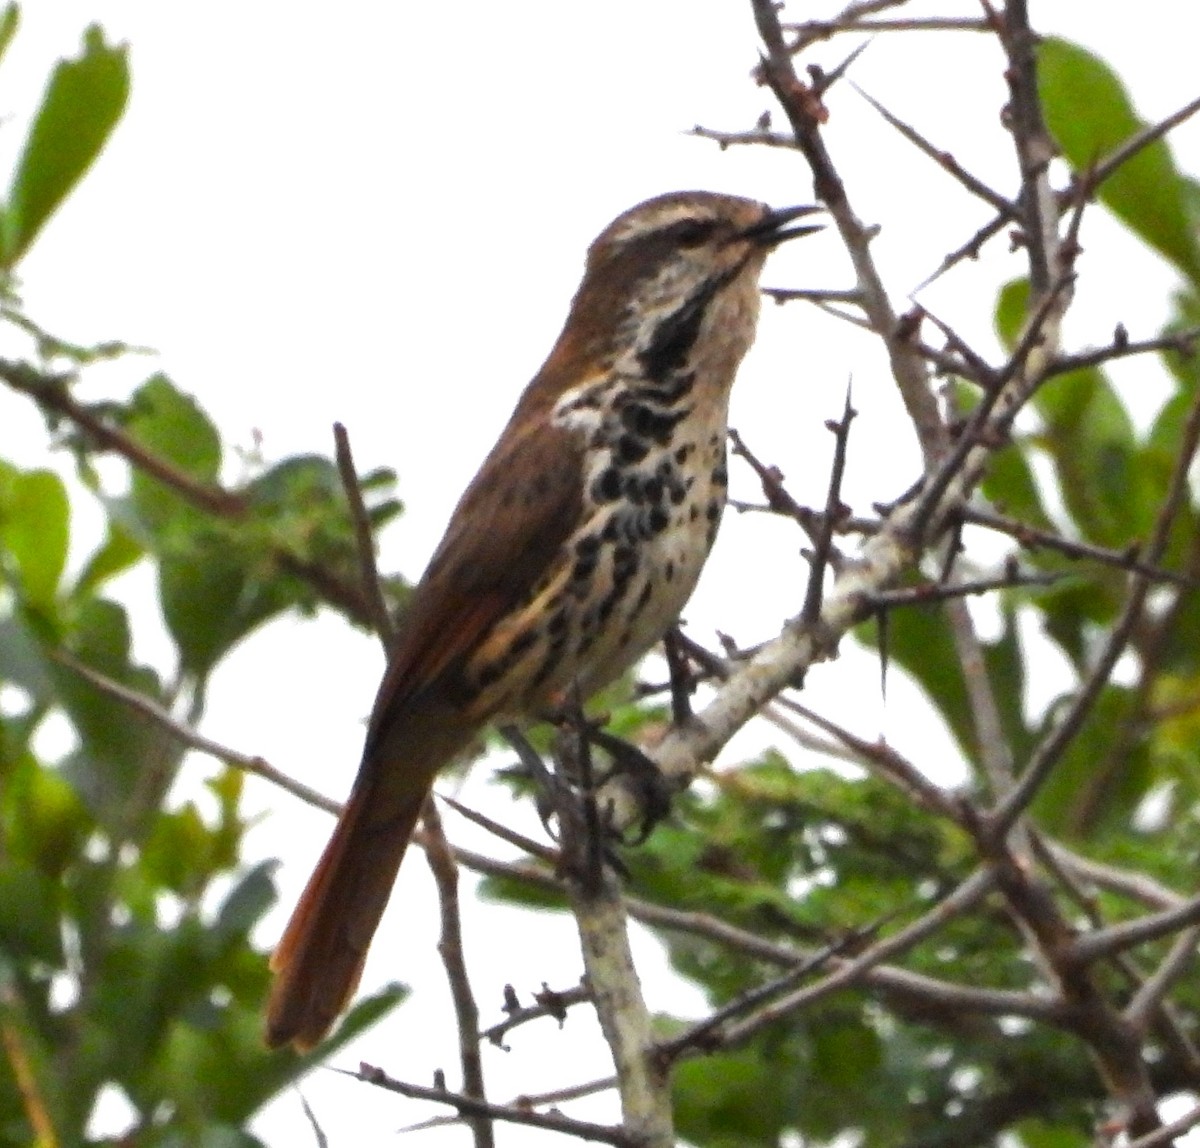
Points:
379	216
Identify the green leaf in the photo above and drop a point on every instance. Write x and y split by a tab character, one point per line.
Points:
201	589
81	106
44	821
10	20
34	530
920	640
249	899
29	909
119	551
172	426
1102	775
22	661
1089	113
1108	491
118	746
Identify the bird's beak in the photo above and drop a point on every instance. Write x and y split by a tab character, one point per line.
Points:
772	229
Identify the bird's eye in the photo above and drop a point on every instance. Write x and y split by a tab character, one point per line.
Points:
693	232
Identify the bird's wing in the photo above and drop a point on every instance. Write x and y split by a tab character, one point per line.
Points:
505	532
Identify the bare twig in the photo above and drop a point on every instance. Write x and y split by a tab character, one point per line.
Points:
1150	995
1182	342
529	1100
805	114
549	1002
1137	142
1168	1133
733	139
931	592
967	895
704	1036
186	735
450	948
364	538
1034	538
503	832
944	160
52	393
24	1075
1117	938
833	510
511	1114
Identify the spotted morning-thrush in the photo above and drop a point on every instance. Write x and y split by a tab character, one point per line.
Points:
570	554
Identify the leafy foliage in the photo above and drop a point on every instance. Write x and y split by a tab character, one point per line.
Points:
127	912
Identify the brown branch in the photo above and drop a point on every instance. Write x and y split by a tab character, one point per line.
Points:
24	1074
549	1002
930	592
364	539
1035	538
913	993
810	31
944	160
193	739
1150	995
450	948
1168	1133
834	509
812	295
534	848
734	139
853	970
1122	347
805	114
1117	938
52	393
469	1106
1140	140
776	494
528	1100
704	1036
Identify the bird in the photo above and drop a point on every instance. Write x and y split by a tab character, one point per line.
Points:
570	554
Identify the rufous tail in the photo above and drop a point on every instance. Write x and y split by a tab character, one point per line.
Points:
320	958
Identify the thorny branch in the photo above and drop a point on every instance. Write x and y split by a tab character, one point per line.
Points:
1068	994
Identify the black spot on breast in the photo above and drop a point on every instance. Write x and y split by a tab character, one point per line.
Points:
670	392
720	474
643	598
684	453
650	422
713	511
624	563
658	519
669	571
630	449
607	488
581	573
652	488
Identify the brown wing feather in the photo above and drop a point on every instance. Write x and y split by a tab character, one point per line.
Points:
503	536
